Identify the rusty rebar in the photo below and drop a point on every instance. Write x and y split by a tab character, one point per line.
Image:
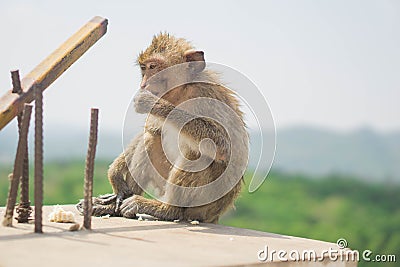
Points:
18	166
89	169
38	159
24	209
16	82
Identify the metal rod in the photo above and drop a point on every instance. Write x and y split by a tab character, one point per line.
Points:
88	188
38	159
24	210
18	166
16	82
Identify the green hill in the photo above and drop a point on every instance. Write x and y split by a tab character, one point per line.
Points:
367	154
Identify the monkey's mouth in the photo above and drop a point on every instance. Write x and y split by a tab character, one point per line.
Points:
152	88
158	94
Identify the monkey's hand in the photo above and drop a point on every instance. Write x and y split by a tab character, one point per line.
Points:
102	205
130	207
144	101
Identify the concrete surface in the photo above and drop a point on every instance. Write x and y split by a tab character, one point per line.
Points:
124	242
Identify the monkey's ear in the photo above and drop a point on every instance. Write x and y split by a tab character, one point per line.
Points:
197	58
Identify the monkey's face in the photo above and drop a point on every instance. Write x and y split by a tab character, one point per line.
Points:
148	69
180	74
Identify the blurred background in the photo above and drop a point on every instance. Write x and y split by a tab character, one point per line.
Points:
329	70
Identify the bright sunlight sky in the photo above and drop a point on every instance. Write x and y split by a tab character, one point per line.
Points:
332	64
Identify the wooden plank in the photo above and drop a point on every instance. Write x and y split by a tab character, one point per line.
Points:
51	68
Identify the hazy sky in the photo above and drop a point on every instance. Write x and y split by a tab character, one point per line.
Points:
334	64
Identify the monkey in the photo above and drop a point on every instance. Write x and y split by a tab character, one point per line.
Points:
169	102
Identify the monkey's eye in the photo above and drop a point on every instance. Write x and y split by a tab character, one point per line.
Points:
152	66
143	67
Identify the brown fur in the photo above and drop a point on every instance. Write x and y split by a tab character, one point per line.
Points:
164	51
166	46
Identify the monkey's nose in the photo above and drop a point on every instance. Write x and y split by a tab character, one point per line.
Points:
143	84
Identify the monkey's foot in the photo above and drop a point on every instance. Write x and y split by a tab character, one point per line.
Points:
130	207
102	205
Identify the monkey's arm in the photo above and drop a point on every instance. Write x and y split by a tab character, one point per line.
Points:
120	177
110	203
116	175
122	183
194	127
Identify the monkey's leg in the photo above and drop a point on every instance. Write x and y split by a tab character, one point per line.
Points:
211	212
122	183
208	213
109	203
122	187
138	204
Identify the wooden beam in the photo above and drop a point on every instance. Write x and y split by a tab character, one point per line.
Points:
51	68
